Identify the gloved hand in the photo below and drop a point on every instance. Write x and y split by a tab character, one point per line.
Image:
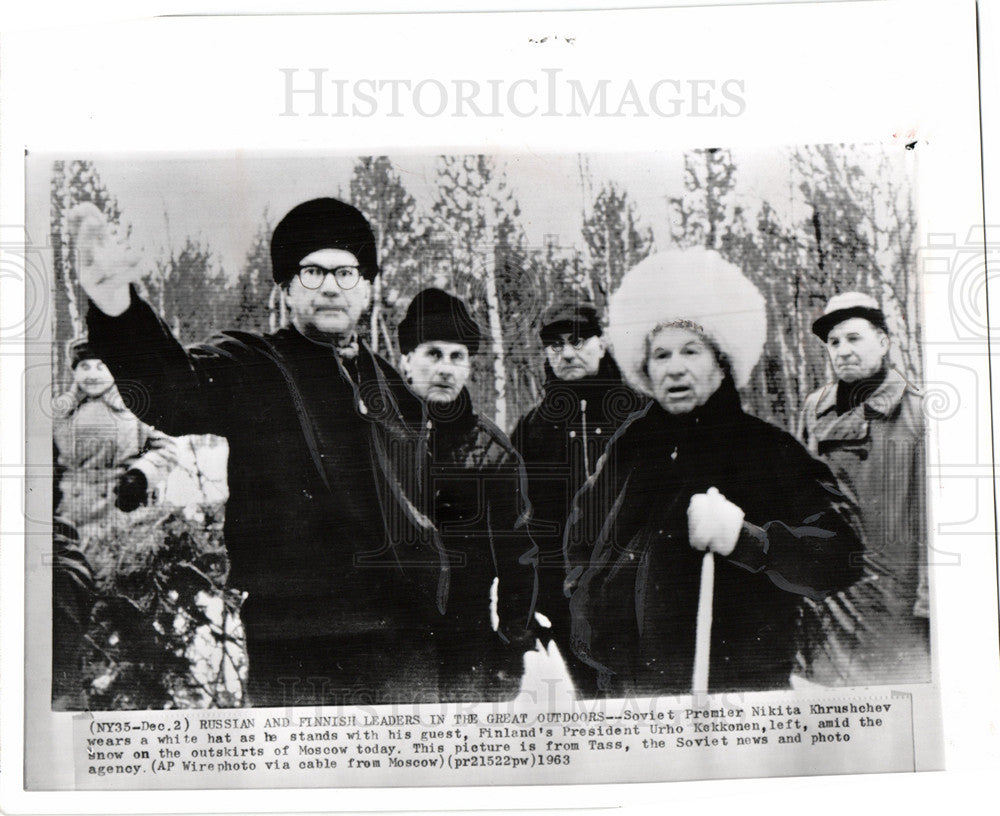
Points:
131	490
714	522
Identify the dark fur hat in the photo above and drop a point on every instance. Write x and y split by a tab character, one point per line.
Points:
435	315
323	223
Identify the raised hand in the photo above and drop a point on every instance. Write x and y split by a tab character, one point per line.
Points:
106	265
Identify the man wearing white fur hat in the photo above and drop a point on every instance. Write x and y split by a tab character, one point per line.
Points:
868	426
691	474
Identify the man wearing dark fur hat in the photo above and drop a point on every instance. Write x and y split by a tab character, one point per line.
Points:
468	480
331	614
561	440
868	427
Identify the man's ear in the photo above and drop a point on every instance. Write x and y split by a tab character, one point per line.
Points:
604	347
404	365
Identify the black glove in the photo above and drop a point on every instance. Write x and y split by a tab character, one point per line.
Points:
131	490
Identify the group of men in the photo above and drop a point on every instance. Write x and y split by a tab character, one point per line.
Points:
361	589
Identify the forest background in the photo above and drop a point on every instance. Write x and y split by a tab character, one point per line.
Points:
510	235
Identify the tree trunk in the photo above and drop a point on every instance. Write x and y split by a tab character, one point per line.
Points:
69	268
607	263
376	312
496	340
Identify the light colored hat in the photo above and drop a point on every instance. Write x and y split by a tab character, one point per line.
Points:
845	306
693	285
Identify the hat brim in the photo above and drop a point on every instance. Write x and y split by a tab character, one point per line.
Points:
822	325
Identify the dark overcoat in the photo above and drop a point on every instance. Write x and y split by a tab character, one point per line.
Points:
465	490
561	441
635	577
331	612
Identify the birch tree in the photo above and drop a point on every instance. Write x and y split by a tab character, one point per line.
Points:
377	190
713	212
615	240
701	215
862	232
475	214
72	182
850	226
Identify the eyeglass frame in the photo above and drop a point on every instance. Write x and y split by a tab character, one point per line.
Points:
329	271
576	342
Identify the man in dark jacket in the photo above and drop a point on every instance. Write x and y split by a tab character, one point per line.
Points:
463	475
330	612
561	441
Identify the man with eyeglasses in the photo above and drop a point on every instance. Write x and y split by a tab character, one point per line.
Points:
330	613
561	440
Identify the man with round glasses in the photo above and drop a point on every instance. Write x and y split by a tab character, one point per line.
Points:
313	276
331	614
561	440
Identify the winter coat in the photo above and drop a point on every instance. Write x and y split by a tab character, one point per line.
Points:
635	578
96	441
327	595
876	631
561	441
467	499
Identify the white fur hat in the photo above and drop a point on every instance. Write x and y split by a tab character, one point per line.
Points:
695	285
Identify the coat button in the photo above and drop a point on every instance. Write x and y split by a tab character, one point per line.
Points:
572	434
597	431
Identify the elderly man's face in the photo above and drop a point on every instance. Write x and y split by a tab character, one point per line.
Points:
436	370
328	311
92	377
857	349
682	369
573	358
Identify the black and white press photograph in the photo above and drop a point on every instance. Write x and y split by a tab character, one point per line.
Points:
419	429
447	407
